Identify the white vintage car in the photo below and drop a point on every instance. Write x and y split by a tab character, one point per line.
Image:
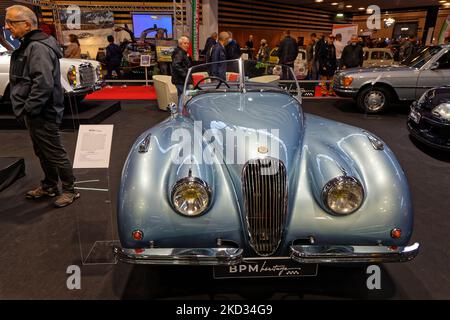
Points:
78	77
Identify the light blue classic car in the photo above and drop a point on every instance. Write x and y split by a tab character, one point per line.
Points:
238	177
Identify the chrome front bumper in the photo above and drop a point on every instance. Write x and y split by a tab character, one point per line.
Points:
180	256
300	253
353	254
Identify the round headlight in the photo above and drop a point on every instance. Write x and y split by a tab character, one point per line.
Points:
343	195
190	196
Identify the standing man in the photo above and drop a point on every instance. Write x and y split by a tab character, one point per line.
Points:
287	53
327	65
408	48
249	46
38	100
339	46
310	57
180	64
113	58
210	42
352	55
219	54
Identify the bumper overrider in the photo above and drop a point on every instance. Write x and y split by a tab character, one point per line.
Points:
320	254
86	90
345	92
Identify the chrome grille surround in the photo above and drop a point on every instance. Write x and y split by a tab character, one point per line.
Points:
87	74
265	190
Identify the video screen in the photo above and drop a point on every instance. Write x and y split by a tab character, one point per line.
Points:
144	21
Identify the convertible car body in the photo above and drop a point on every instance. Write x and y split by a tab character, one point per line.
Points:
306	190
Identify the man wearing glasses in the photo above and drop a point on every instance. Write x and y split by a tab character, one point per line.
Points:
38	101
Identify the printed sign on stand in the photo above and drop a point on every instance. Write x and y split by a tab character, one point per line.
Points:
93	148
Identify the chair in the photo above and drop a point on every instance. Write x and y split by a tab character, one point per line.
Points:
197	76
232	76
266	79
166	92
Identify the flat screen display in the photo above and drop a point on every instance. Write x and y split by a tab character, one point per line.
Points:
143	21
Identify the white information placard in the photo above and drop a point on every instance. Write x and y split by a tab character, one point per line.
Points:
93	148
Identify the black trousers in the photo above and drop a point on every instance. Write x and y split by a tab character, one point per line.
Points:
110	67
53	157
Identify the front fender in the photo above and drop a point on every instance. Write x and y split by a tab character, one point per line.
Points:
387	203
143	202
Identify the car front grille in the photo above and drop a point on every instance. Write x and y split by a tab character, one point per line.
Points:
87	74
265	199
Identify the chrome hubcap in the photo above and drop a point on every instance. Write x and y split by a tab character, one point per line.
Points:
374	100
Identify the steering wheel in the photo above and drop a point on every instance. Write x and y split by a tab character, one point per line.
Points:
197	86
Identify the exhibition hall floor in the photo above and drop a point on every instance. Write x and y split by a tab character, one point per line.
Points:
40	242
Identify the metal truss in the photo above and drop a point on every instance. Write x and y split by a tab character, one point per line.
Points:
141	6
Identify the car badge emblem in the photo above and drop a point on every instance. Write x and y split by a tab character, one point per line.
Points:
263	149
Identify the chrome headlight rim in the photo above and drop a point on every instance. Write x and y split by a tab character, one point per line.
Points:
72	71
191	180
333	183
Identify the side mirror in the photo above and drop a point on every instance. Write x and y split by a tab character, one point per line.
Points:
172	108
434	66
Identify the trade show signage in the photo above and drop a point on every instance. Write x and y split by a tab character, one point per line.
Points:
445	30
93	148
346	30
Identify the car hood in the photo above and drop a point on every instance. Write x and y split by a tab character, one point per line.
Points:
382	69
272	118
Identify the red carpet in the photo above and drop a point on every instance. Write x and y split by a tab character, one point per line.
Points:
126	93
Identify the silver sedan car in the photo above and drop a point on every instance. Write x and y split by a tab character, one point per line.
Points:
375	89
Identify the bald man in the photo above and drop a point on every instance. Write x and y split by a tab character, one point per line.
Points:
38	101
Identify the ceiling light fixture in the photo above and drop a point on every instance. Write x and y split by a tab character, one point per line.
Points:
334	3
361	9
340	15
319	0
348	6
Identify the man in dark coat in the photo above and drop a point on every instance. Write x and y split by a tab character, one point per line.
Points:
210	42
287	52
219	54
37	99
113	58
232	48
249	46
180	64
327	65
352	55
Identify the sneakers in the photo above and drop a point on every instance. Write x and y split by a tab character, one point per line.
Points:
66	198
41	192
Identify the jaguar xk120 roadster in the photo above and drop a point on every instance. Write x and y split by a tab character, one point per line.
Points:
238	177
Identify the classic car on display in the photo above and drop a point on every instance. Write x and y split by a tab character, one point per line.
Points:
377	57
78	77
375	89
429	118
300	63
238	177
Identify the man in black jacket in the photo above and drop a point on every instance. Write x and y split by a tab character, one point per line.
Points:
113	58
219	54
38	100
180	64
287	53
210	42
352	55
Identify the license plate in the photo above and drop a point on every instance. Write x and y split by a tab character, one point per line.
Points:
414	116
266	268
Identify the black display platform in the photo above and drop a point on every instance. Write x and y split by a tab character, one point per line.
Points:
87	112
11	169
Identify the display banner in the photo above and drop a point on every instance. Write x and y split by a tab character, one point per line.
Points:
195	29
91	26
346	30
445	30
